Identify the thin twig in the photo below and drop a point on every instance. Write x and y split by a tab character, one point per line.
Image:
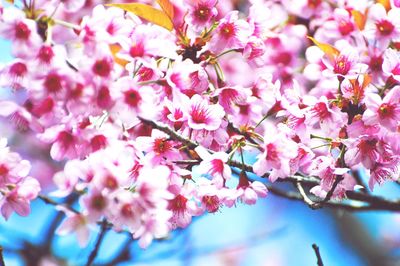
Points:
329	195
50	201
93	254
319	259
313	205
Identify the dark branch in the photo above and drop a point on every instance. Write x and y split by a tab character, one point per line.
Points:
50	201
2	263
93	254
319	259
368	202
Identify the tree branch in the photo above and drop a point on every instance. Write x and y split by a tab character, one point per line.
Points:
2	263
50	201
319	259
370	202
100	238
313	205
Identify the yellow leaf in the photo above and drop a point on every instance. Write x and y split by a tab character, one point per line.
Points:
328	49
115	48
167	7
148	13
367	80
359	19
385	3
10	1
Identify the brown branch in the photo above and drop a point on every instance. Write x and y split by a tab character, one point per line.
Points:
93	254
50	201
329	195
2	263
313	205
372	202
318	254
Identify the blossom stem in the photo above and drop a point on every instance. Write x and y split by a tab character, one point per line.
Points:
148	82
319	137
262	119
67	24
49	34
226	52
320	146
219	72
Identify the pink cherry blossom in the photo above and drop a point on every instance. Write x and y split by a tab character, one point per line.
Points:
384	26
202	115
215	165
201	13
278	151
384	111
232	33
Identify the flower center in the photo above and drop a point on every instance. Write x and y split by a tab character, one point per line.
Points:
132	98
110	182
161	145
102	68
18	69
199	115
3	170
22	31
98	202
314	3
386	110
272	153
366	146
211	202
178	204
52	83
45	54
375	63
227	30
137	50
202	13
342	66
345	27
127	210
98	142
385	27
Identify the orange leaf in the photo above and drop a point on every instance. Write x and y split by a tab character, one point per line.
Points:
167	7
359	18
148	13
367	80
328	49
10	1
115	48
385	3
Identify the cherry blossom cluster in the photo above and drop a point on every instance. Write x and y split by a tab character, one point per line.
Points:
17	189
148	122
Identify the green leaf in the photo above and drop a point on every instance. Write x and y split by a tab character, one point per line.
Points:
148	13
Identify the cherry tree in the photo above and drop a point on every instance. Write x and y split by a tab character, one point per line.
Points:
150	113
